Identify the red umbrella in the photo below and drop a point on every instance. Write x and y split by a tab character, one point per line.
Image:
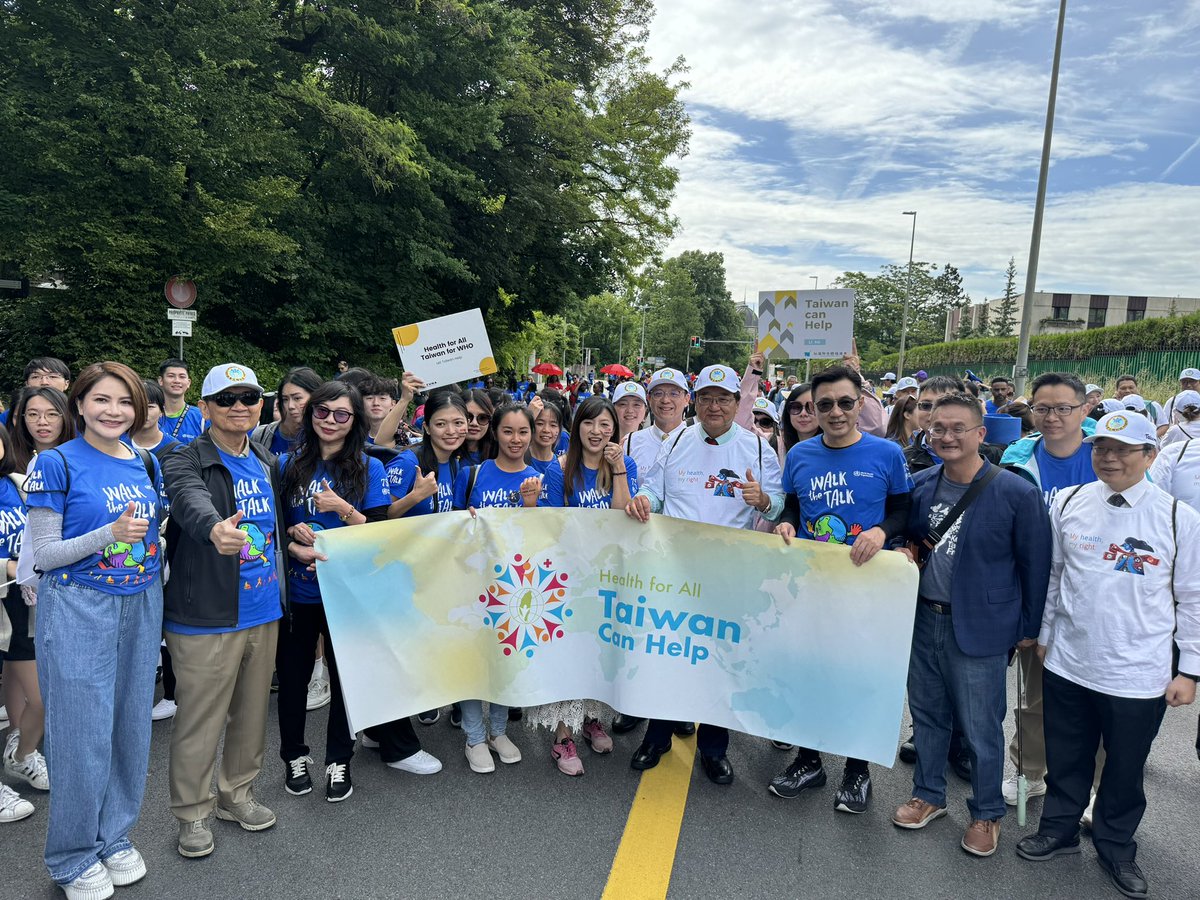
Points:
617	369
546	369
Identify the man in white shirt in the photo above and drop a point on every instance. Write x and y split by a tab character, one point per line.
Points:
718	473
1121	587
1189	380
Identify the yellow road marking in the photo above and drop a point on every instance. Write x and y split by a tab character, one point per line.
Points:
641	870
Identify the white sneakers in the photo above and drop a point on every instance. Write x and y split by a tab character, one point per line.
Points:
13	807
94	884
420	763
318	694
1036	788
163	709
31	769
125	867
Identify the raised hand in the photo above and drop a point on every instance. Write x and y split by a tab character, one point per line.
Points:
531	490
227	537
127	529
752	492
328	500
425	486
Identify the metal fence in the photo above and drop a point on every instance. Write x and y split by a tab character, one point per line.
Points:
1147	365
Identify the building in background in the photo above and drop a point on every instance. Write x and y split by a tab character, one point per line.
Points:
1062	313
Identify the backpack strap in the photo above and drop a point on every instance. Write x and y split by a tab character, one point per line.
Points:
1179	458
1071	495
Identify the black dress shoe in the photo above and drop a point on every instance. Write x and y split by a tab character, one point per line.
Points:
908	751
1038	847
515	713
718	769
1127	877
685	729
647	756
960	762
624	724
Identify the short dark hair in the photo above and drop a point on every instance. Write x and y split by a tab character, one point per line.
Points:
1066	379
961	399
154	393
50	364
1121	378
943	384
356	376
380	385
835	374
172	363
1003	378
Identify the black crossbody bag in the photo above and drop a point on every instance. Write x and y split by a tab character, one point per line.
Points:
921	550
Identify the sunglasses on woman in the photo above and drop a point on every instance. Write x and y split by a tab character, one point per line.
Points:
341	416
797	407
480	419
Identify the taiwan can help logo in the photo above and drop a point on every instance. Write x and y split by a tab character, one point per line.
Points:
526	605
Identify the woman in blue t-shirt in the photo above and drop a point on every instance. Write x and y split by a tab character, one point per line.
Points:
479	421
93	523
543	449
596	474
506	481
421	480
327	482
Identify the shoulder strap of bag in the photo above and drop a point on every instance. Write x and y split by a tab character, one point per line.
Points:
1071	496
1183	450
472	473
178	423
936	534
147	462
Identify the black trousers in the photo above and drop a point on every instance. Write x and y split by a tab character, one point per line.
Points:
1076	720
712	740
852	765
168	674
294	657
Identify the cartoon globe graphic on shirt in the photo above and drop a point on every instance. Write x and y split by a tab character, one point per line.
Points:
830	529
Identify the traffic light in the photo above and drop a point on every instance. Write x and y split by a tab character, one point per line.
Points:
695	342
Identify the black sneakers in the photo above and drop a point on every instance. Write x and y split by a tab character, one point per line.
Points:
855	792
798	777
429	717
455	716
297	779
337	782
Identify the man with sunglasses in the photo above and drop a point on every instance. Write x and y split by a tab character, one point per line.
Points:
850	488
1055	459
223	603
1125	586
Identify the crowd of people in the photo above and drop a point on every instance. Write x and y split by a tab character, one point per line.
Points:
146	538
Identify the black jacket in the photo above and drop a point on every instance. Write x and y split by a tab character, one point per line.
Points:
203	587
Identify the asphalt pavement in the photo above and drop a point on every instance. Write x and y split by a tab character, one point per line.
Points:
529	832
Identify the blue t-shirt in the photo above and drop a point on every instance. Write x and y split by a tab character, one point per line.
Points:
302	584
258	588
588	496
185	427
493	486
402	475
281	444
552	481
843	492
564	441
101	486
1056	474
166	445
12	520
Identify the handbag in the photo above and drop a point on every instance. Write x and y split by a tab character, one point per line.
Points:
921	549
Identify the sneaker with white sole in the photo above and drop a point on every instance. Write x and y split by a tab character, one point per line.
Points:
1035	788
195	839
420	763
367	743
1085	820
3	714
297	779
505	749
480	759
163	709
337	782
318	694
597	738
249	814
13	807
566	757
429	717
31	769
125	867
93	884
10	742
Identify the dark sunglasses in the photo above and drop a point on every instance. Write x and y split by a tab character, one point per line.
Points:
481	419
764	421
226	399
843	403
341	416
925	405
797	407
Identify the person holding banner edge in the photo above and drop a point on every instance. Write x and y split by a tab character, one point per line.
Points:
722	450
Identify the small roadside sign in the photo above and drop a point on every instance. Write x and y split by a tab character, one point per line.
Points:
182	315
181	328
179	292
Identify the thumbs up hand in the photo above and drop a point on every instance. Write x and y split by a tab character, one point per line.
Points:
128	529
227	537
425	486
752	493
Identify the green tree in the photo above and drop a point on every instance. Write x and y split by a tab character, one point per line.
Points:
674	316
984	326
718	313
879	307
1006	312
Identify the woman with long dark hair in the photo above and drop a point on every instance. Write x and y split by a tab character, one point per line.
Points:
902	423
295	388
421	479
543	450
799	417
596	472
479	421
40	420
328	482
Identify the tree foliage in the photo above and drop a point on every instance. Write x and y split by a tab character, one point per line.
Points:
1006	312
323	171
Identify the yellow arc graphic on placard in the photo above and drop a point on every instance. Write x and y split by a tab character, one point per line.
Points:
406	335
487	366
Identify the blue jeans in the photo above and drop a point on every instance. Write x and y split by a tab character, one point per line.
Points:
946	686
96	655
472	723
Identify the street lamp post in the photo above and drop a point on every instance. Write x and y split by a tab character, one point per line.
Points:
907	294
642	345
816	285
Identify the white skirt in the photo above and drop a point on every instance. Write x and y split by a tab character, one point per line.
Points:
570	712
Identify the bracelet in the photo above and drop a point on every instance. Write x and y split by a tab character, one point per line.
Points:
756	371
622	472
348	515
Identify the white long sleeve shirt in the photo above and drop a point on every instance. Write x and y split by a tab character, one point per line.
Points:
644	445
1110	614
1177	471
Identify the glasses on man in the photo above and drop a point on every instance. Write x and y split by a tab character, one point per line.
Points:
341	416
722	400
1062	410
1118	452
957	431
843	403
50	415
226	399
925	405
796	408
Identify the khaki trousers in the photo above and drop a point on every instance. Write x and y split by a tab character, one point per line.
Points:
223	684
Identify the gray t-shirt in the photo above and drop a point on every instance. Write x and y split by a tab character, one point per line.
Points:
939	567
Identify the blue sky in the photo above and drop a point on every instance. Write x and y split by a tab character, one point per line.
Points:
816	123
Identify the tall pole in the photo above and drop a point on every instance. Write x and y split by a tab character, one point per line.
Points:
642	345
816	285
621	341
907	294
1021	368
564	347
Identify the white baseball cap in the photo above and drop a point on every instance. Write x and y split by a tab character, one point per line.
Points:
629	389
1190	373
905	383
1184	399
1111	405
890	391
1134	402
667	376
763	405
228	375
719	377
1093	389
1120	426
890	376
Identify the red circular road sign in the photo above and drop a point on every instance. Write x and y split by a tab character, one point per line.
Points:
180	294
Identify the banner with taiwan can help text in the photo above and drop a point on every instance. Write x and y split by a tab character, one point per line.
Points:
670	619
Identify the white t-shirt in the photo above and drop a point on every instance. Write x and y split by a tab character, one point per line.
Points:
702	482
1177	471
1110	614
644	445
1180	432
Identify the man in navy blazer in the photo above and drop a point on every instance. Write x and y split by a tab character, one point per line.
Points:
983	588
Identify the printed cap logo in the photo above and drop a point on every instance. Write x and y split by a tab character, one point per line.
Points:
1117	423
235	373
666	373
717	375
629	387
761	403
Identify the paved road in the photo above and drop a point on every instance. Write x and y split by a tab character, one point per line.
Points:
529	832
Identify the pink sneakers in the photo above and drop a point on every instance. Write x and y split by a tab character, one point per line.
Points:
597	738
566	757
